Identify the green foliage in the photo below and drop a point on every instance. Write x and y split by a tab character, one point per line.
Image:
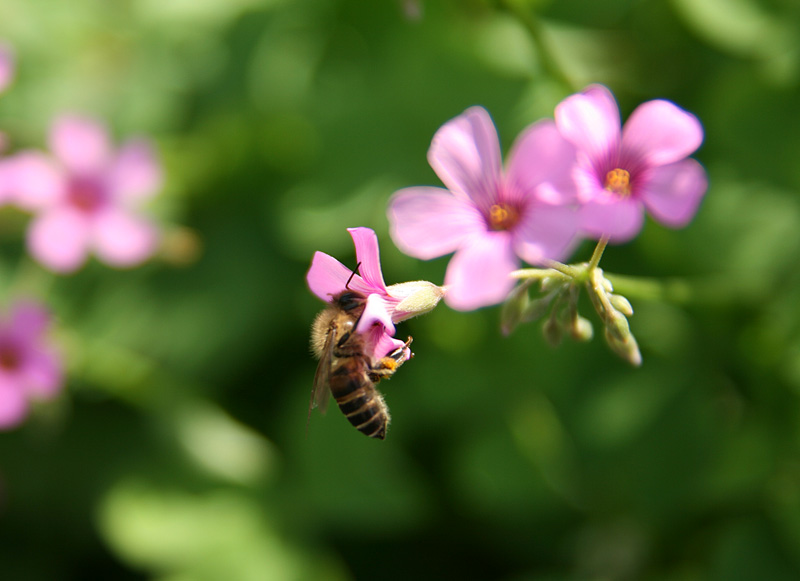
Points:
179	452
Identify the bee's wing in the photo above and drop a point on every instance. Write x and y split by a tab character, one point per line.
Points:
320	392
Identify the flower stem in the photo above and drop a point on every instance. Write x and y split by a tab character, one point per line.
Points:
598	253
567	270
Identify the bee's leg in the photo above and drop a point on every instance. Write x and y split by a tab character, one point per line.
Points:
398	354
387	365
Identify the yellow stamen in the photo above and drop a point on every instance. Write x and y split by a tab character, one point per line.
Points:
503	217
619	181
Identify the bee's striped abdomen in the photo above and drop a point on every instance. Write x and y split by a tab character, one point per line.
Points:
358	399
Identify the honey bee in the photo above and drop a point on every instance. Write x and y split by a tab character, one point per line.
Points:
346	370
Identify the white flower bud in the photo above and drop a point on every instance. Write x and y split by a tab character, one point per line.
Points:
581	329
621	304
627	349
416	298
617	326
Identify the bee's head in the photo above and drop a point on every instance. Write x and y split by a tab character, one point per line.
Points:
349	300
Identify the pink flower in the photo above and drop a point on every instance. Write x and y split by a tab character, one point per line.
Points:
29	367
622	172
7	66
385	306
488	216
86	195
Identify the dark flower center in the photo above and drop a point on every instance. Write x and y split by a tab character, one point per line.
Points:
86	195
10	358
619	181
503	217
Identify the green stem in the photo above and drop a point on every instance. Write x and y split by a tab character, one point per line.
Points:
563	271
597	254
566	270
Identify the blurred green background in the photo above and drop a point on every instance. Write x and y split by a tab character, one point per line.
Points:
178	450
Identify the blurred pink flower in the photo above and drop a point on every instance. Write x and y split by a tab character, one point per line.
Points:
30	368
7	66
85	196
488	216
385	305
623	171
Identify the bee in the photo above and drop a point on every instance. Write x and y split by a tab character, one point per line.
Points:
346	370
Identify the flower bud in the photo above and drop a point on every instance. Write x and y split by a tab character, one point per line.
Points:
551	283
536	309
581	329
609	288
417	298
621	304
617	326
514	307
628	349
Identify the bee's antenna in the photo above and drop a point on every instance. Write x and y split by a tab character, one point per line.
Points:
347	286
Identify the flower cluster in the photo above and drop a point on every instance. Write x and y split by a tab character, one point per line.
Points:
581	175
84	196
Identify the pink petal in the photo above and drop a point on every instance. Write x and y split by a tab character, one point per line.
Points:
465	154
673	192
43	374
590	121
13	404
384	344
35	181
29	321
123	240
659	132
327	276
430	222
81	144
478	273
59	239
588	184
135	173
376	312
368	257
620	219
541	155
7	66
546	233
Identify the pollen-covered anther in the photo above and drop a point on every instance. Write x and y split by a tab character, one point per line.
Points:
503	217
619	181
